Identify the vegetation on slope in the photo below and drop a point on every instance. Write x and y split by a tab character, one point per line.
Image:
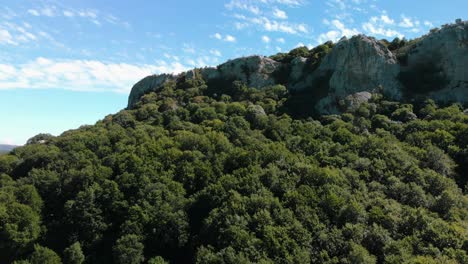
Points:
193	176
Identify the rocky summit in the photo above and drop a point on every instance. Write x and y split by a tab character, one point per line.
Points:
432	66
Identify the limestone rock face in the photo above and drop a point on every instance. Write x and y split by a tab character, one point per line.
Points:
147	84
433	67
297	69
255	71
355	65
442	56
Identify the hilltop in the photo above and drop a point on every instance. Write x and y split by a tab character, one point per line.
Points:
432	66
354	152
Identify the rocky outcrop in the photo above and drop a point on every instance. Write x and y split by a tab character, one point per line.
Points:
353	101
147	84
355	65
255	71
437	66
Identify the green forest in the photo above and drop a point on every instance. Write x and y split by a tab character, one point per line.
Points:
193	175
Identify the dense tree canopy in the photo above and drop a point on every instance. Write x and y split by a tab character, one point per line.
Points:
192	176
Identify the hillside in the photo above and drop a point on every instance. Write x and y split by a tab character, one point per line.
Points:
296	158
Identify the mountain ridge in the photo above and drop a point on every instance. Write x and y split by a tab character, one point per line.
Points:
357	64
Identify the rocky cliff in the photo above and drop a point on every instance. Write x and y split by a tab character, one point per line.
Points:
434	66
437	66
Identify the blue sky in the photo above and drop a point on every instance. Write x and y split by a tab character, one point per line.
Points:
67	63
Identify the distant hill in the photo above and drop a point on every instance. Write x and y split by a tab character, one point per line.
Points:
6	148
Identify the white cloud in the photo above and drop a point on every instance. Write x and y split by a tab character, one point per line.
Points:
215	52
290	3
387	20
428	24
378	30
188	48
406	22
229	38
6	38
238	4
265	39
338	30
274	25
280	14
68	13
81	75
280	40
48	11
381	26
34	12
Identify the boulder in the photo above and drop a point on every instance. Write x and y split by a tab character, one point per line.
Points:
353	101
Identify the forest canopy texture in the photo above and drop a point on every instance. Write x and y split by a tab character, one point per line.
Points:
190	175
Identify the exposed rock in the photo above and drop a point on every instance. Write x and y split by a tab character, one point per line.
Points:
353	101
147	84
434	67
255	71
357	64
297	69
440	62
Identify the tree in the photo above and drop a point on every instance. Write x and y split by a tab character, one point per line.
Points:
43	255
359	255
73	254
128	250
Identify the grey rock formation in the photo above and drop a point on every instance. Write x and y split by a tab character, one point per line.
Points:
443	57
147	84
297	69
353	101
255	71
354	65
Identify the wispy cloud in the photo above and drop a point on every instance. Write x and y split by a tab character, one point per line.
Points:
271	25
227	38
79	75
94	16
215	52
406	22
280	14
338	30
290	3
266	39
6	38
381	26
266	15
243	5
